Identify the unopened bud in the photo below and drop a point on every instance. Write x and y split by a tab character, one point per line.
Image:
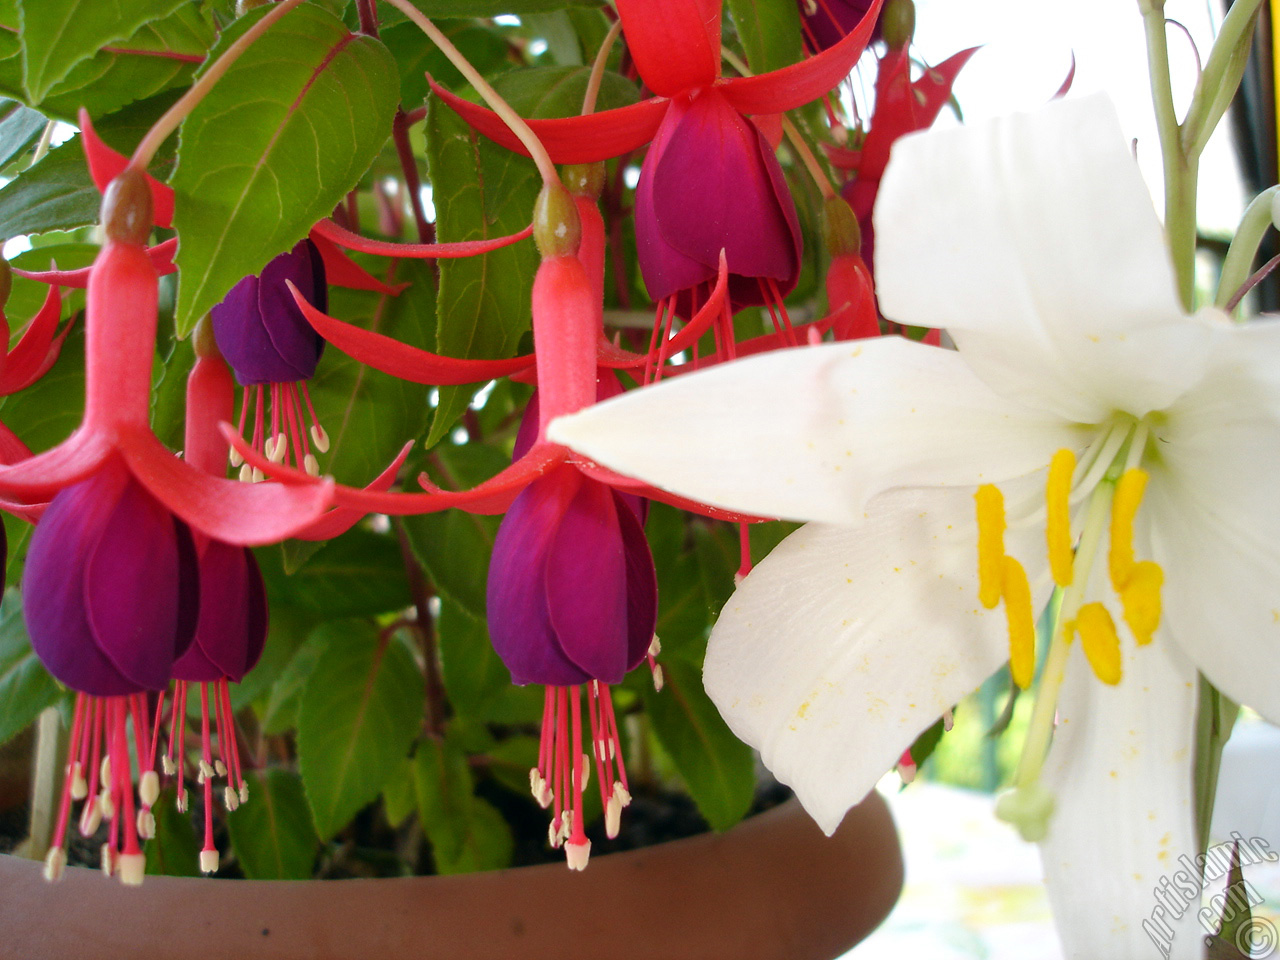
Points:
840	230
556	228
898	22
584	179
126	208
204	342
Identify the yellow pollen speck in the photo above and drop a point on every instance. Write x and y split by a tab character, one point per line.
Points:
991	526
1098	638
1141	599
1058	527
1022	623
1124	507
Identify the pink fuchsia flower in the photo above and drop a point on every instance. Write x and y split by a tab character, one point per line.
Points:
120	326
273	351
710	180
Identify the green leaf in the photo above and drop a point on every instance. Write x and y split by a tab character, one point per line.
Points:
286	633
162	54
466	833
174	851
361	573
283	136
399	795
272	832
25	686
482	190
360	710
716	767
478	683
770	32
454	545
58	34
19	128
281	710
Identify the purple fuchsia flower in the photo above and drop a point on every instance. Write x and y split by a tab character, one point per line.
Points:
110	596
572	602
271	347
827	22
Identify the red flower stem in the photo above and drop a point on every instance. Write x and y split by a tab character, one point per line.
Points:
491	96
174	116
437	701
412	182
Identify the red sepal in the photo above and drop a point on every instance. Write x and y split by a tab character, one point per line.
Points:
586	139
420	251
340	270
639	488
383	353
37	350
105	165
161	256
793	86
341	519
675	43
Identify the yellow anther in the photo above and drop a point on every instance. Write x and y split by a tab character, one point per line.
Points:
1141	599
1022	622
1058	527
991	526
1101	645
1124	507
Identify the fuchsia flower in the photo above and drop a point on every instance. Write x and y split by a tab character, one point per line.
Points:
711	180
273	350
827	22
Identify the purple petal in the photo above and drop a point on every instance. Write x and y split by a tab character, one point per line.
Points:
232	624
131	588
519	623
52	584
665	269
586	584
718	185
834	20
642	584
188	589
293	338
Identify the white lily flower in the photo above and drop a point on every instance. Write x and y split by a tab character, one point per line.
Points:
1032	240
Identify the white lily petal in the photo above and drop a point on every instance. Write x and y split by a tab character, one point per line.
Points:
1214	519
813	433
844	644
1120	770
1032	239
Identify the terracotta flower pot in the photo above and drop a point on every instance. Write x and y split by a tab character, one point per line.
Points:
772	887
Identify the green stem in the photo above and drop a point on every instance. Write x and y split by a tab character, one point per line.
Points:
597	68
526	136
168	123
1244	246
1179	170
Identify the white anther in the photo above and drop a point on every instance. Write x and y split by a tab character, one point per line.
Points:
246	473
235	457
131	868
948	719
311	464
577	854
907	772
106	859
536	782
737	580
104	770
229	799
584	771
320	438
206	771
90	818
106	804
181	803
655	646
166	764
622	794
146	824
79	786
553	833
277	452
220	768
208	861
612	818
658	678
258	476
55	863
244	791
149	788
